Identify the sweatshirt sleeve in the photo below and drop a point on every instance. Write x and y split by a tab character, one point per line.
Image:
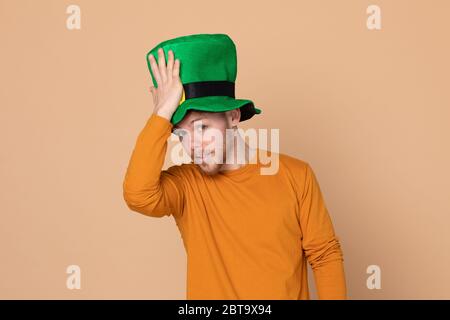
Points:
147	188
320	244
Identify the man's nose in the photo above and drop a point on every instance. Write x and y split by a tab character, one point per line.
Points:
200	146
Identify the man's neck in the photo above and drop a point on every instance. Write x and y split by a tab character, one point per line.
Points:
236	163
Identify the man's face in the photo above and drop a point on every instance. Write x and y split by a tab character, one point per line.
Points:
203	136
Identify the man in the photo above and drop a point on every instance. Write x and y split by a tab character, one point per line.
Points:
247	235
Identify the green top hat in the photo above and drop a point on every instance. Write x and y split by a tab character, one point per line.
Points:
208	68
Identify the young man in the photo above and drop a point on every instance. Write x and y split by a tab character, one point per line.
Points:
247	235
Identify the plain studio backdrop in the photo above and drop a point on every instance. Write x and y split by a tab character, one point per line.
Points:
368	109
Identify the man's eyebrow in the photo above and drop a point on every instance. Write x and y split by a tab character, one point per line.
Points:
175	127
199	118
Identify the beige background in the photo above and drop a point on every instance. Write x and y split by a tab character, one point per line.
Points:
368	109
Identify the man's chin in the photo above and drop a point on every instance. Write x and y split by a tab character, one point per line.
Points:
210	168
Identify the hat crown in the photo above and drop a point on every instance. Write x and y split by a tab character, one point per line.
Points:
203	57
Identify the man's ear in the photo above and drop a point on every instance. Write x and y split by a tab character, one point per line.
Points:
235	116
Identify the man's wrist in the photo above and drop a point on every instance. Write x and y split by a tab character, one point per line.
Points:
163	114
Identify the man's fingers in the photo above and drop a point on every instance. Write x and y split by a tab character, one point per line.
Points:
176	68
162	65
155	70
170	65
161	71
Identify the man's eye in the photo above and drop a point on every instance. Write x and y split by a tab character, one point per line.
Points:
202	127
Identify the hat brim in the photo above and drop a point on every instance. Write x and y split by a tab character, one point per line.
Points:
215	104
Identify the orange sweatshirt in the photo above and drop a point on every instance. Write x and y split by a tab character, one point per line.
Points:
246	235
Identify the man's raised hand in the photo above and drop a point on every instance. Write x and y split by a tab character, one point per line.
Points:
167	96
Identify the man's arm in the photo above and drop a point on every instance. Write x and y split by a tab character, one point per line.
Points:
321	246
147	189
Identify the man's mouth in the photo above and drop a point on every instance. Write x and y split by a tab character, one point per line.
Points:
205	157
